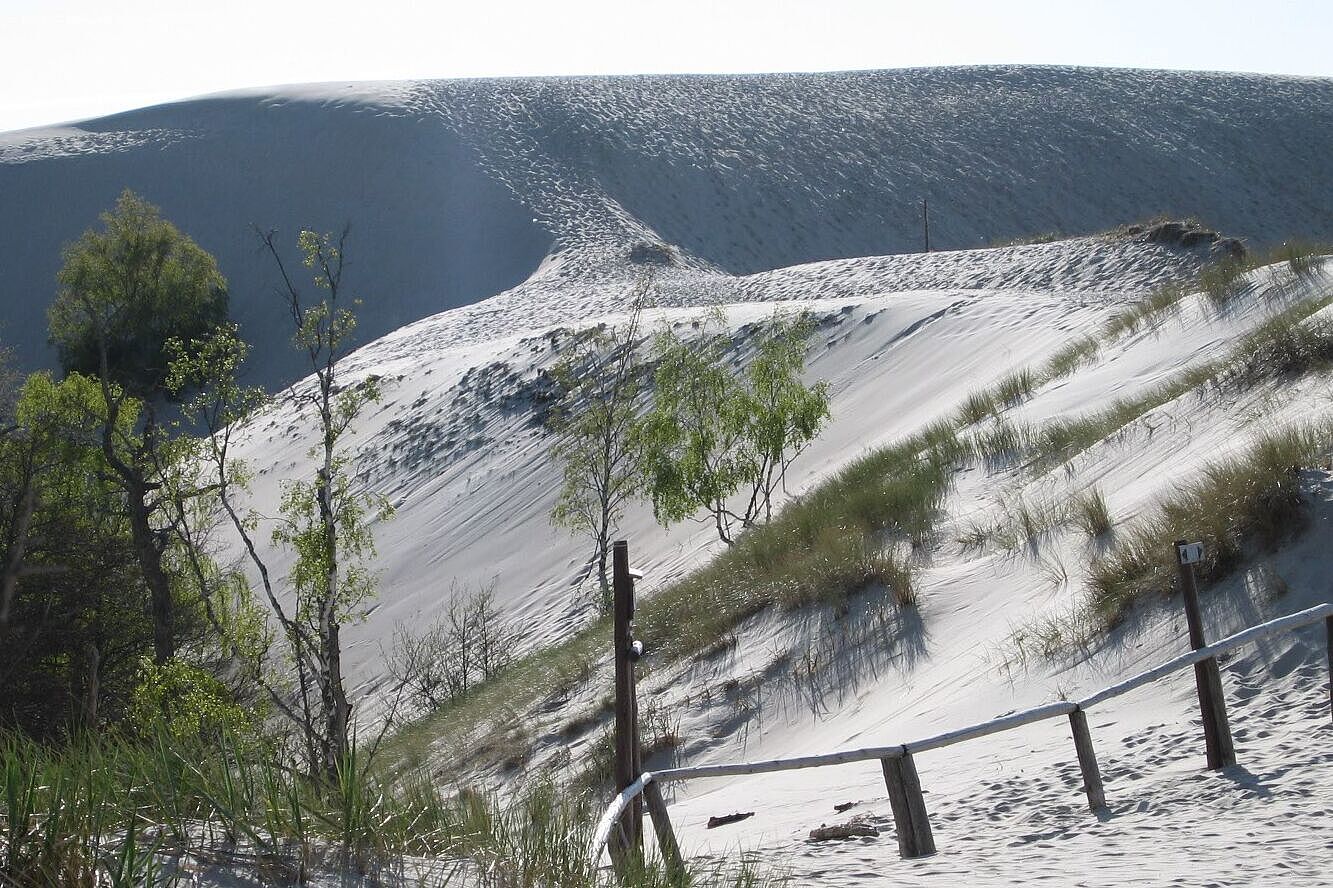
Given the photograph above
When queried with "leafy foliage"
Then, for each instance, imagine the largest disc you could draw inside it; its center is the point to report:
(712, 434)
(187, 702)
(72, 620)
(129, 288)
(599, 433)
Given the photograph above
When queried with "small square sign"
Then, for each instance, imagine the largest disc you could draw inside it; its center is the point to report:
(1190, 553)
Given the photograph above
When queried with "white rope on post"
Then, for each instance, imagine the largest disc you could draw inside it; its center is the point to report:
(613, 812)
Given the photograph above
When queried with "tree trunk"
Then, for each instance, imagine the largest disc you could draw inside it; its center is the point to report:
(336, 709)
(16, 552)
(149, 555)
(337, 712)
(603, 578)
(92, 688)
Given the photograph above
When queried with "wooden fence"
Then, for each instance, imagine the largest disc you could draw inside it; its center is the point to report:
(905, 796)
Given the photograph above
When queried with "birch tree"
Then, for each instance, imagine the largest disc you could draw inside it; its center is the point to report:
(325, 520)
(597, 423)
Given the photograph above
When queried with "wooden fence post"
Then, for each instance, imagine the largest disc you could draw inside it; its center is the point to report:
(1087, 760)
(909, 806)
(1207, 677)
(1328, 635)
(666, 836)
(627, 764)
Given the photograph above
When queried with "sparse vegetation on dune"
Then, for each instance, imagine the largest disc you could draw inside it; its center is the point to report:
(854, 532)
(1239, 507)
(1070, 357)
(1289, 343)
(857, 529)
(1250, 501)
(1130, 319)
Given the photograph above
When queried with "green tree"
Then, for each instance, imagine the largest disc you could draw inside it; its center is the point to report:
(714, 438)
(325, 520)
(596, 422)
(72, 621)
(125, 291)
(128, 288)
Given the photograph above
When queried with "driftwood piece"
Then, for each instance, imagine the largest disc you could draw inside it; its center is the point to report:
(852, 829)
(715, 822)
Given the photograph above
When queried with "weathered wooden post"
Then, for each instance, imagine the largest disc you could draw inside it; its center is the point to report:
(925, 220)
(1087, 760)
(666, 836)
(1207, 677)
(629, 834)
(1328, 635)
(909, 806)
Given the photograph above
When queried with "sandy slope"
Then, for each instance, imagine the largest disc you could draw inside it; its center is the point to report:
(456, 448)
(456, 190)
(897, 360)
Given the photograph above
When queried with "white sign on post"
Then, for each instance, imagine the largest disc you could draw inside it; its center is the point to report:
(1190, 553)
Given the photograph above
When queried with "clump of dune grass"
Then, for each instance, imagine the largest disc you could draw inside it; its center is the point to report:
(1223, 280)
(1250, 501)
(1002, 445)
(1070, 357)
(1015, 387)
(1290, 343)
(976, 407)
(1128, 320)
(1301, 258)
(1091, 514)
(1020, 523)
(1051, 635)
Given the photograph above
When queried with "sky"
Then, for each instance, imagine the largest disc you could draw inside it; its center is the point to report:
(64, 60)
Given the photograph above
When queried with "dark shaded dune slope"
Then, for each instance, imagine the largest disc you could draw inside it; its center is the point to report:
(429, 229)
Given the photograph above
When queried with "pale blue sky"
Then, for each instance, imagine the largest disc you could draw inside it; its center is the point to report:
(69, 59)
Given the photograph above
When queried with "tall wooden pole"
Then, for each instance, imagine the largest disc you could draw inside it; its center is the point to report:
(627, 764)
(1207, 677)
(925, 220)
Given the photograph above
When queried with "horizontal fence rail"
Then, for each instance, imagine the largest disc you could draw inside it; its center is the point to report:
(903, 752)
